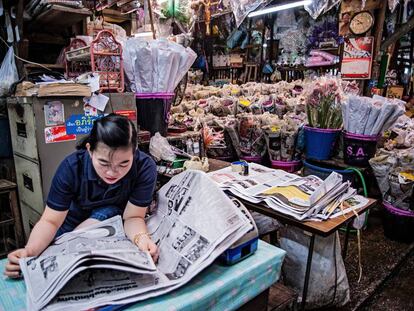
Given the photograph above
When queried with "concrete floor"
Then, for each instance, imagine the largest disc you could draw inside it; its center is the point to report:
(387, 281)
(381, 260)
(398, 293)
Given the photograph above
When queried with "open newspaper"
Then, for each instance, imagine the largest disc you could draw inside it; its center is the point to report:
(304, 198)
(99, 265)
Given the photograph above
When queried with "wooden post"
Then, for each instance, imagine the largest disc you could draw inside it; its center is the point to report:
(21, 47)
(379, 30)
(151, 19)
(406, 27)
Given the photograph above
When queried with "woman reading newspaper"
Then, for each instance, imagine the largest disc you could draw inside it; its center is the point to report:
(106, 176)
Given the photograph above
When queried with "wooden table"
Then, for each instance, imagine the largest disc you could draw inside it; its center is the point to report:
(321, 228)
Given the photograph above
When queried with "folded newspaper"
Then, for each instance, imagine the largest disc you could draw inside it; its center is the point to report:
(304, 198)
(99, 265)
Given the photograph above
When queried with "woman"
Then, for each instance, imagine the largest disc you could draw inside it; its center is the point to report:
(106, 176)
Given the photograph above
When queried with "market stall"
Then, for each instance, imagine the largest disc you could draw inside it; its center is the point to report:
(291, 116)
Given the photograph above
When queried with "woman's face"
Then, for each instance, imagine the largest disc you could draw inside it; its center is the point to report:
(111, 165)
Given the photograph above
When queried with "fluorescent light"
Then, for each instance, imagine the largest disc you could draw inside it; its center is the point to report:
(280, 8)
(143, 34)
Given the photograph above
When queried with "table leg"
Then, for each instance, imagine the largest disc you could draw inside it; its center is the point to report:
(348, 230)
(307, 273)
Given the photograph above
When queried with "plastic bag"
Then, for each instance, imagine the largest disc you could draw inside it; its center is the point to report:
(160, 149)
(392, 4)
(8, 72)
(328, 282)
(319, 7)
(242, 8)
(234, 38)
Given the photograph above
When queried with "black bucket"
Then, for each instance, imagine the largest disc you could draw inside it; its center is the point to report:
(358, 149)
(398, 224)
(153, 113)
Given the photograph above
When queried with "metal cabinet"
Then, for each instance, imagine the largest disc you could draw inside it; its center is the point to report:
(35, 160)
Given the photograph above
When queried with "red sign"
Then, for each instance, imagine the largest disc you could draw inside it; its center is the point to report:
(357, 58)
(57, 134)
(130, 114)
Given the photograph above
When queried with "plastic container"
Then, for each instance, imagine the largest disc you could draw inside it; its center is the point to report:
(153, 112)
(358, 149)
(319, 143)
(323, 172)
(288, 166)
(254, 159)
(398, 224)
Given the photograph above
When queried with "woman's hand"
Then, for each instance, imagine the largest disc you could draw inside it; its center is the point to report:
(146, 244)
(12, 267)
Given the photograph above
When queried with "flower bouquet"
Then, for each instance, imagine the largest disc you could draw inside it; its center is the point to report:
(323, 108)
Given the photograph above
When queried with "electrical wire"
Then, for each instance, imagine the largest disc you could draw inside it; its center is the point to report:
(358, 231)
(24, 60)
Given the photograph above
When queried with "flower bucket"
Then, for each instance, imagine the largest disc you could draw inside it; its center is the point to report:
(255, 159)
(398, 224)
(153, 112)
(319, 143)
(358, 148)
(288, 166)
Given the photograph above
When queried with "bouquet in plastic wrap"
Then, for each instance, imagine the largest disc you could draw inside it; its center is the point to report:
(401, 135)
(394, 171)
(370, 116)
(252, 141)
(281, 135)
(323, 103)
(217, 141)
(156, 66)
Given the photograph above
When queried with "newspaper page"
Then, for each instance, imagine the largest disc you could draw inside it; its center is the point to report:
(191, 227)
(44, 274)
(304, 198)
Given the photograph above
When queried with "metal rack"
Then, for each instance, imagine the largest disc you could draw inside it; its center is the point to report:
(103, 55)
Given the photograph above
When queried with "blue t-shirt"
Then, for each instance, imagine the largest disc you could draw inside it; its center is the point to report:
(77, 187)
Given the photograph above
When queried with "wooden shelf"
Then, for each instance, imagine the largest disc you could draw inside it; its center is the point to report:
(116, 16)
(250, 46)
(328, 49)
(302, 68)
(44, 38)
(61, 16)
(50, 66)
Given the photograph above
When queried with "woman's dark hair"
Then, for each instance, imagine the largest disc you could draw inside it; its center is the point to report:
(113, 130)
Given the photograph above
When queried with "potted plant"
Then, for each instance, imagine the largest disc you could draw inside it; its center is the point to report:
(323, 108)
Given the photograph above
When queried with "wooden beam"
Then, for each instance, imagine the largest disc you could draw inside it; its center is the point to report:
(379, 29)
(21, 47)
(402, 30)
(151, 19)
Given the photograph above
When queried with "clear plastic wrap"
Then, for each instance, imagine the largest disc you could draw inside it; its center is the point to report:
(242, 8)
(8, 72)
(392, 4)
(319, 7)
(156, 66)
(160, 149)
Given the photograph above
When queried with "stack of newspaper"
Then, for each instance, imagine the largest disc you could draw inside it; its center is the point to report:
(99, 266)
(304, 198)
